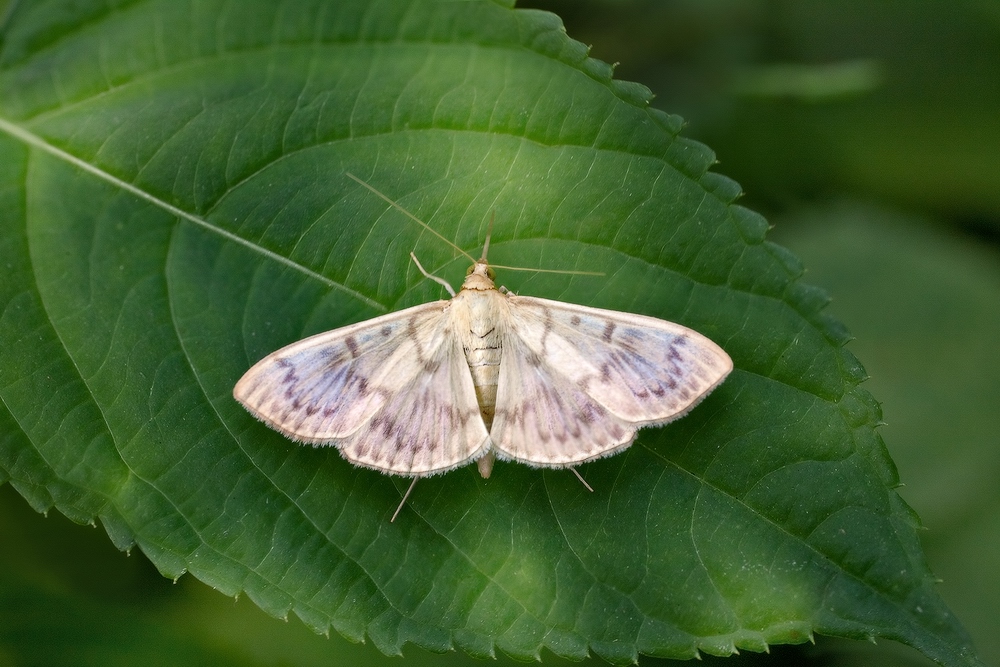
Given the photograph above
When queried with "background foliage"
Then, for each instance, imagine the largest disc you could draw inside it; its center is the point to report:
(799, 118)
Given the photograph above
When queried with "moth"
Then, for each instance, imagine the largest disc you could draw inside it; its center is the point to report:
(486, 374)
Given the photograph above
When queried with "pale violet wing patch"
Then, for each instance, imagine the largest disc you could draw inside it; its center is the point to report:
(576, 382)
(392, 393)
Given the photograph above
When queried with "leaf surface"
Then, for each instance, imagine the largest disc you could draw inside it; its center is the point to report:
(176, 207)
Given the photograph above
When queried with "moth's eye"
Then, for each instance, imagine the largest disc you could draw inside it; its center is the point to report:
(469, 271)
(491, 274)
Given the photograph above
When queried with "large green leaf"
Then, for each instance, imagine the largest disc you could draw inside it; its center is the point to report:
(175, 206)
(924, 299)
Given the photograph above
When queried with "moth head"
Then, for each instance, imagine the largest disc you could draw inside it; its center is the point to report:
(479, 277)
(489, 273)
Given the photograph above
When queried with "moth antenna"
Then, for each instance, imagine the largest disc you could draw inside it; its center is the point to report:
(486, 246)
(405, 496)
(489, 233)
(410, 215)
(568, 272)
(578, 476)
(439, 281)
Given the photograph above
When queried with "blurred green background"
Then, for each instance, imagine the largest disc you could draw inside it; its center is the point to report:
(869, 134)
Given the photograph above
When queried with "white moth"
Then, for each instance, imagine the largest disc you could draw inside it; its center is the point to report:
(486, 373)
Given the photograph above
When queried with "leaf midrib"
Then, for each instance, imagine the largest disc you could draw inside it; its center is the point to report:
(37, 142)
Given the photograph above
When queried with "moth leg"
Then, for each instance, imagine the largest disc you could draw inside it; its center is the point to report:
(440, 281)
(579, 477)
(405, 496)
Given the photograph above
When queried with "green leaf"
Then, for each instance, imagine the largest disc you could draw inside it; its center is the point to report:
(924, 300)
(176, 206)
